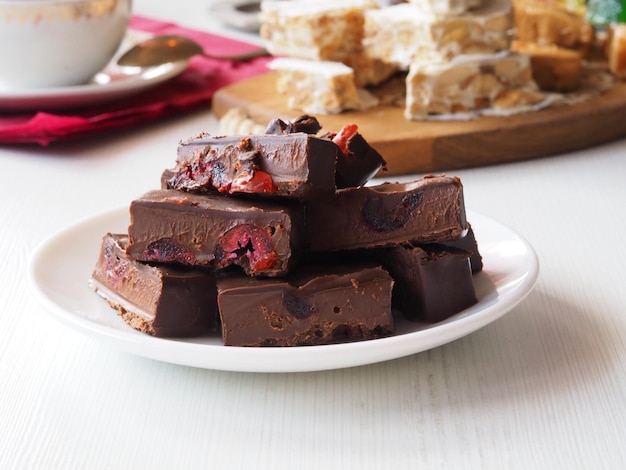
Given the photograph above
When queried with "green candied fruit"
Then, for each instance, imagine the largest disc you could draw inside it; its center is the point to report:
(605, 12)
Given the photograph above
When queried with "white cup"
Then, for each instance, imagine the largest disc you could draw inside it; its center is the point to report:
(53, 43)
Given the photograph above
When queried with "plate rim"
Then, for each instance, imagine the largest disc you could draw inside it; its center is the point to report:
(271, 359)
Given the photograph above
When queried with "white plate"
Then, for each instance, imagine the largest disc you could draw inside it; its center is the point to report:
(61, 266)
(110, 84)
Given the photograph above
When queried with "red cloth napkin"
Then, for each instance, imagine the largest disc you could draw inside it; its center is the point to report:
(189, 90)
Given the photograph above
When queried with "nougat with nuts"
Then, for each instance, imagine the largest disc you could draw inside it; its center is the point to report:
(548, 23)
(319, 87)
(467, 84)
(446, 7)
(554, 68)
(402, 34)
(320, 30)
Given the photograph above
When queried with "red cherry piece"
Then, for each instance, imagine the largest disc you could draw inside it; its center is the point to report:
(342, 137)
(246, 244)
(261, 182)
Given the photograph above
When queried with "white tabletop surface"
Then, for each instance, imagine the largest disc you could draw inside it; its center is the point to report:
(542, 387)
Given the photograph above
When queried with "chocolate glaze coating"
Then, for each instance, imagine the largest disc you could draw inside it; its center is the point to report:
(468, 242)
(359, 164)
(165, 301)
(295, 165)
(215, 231)
(312, 306)
(430, 284)
(428, 210)
(357, 161)
(305, 123)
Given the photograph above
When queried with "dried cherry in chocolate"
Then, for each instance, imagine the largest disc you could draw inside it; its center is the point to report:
(293, 165)
(380, 219)
(297, 306)
(248, 246)
(168, 250)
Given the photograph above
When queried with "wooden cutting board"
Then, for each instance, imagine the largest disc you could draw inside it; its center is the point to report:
(430, 146)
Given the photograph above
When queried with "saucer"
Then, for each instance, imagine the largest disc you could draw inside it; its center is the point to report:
(112, 83)
(108, 85)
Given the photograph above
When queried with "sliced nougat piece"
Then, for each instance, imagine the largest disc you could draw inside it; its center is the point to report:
(159, 300)
(447, 7)
(549, 23)
(616, 50)
(402, 34)
(320, 30)
(369, 71)
(471, 83)
(554, 68)
(319, 87)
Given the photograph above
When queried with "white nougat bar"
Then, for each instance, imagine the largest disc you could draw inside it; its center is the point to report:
(470, 83)
(616, 50)
(320, 30)
(318, 87)
(403, 33)
(549, 23)
(446, 7)
(369, 71)
(554, 68)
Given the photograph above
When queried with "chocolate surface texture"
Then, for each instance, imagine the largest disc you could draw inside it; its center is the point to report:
(468, 242)
(340, 303)
(430, 284)
(428, 210)
(358, 164)
(305, 123)
(163, 301)
(296, 165)
(357, 161)
(170, 226)
(326, 261)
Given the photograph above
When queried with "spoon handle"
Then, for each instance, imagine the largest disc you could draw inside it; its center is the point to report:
(243, 57)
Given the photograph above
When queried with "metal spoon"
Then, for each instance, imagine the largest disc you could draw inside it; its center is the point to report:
(171, 48)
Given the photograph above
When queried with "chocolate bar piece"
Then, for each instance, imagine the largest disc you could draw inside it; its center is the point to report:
(310, 307)
(305, 123)
(428, 210)
(468, 242)
(296, 165)
(160, 300)
(430, 284)
(357, 161)
(215, 231)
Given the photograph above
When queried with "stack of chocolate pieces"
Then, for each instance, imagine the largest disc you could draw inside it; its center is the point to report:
(274, 240)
